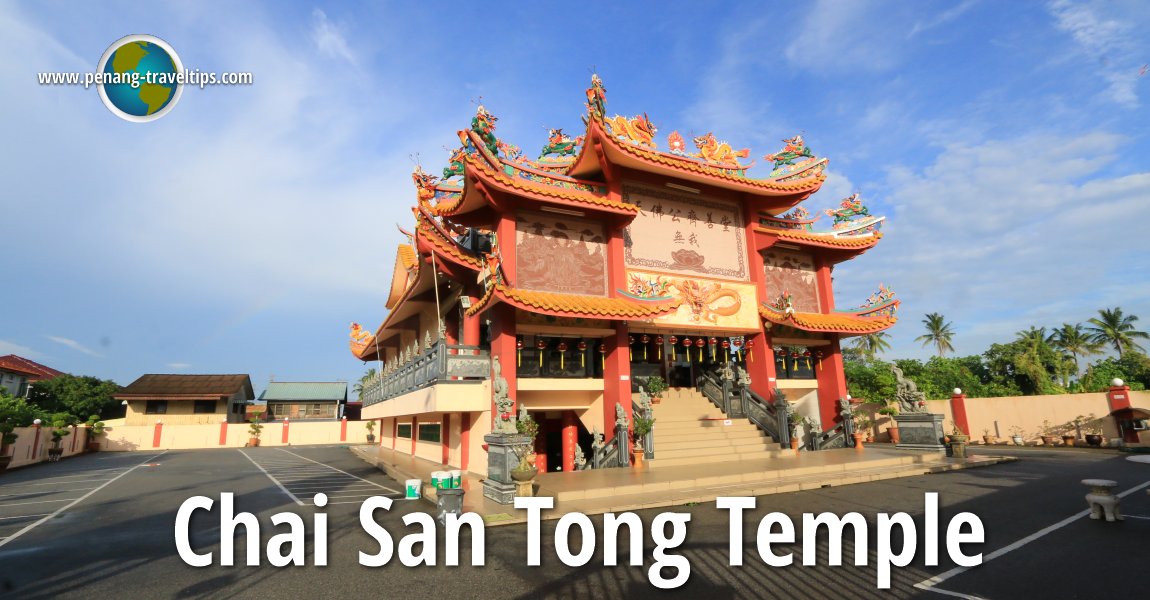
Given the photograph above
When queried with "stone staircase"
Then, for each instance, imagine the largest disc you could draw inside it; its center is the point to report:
(689, 430)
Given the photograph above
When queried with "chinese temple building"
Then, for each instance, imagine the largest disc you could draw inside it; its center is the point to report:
(571, 278)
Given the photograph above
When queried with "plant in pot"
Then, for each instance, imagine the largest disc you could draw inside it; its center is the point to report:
(797, 422)
(1049, 434)
(642, 427)
(370, 427)
(60, 430)
(988, 439)
(95, 430)
(656, 386)
(958, 441)
(1092, 429)
(255, 428)
(526, 469)
(1016, 436)
(862, 430)
(7, 438)
(890, 412)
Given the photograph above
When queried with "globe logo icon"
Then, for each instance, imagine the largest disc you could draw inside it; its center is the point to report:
(140, 78)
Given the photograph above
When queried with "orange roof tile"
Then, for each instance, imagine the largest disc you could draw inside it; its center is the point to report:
(407, 256)
(670, 160)
(426, 230)
(593, 307)
(524, 185)
(819, 322)
(822, 239)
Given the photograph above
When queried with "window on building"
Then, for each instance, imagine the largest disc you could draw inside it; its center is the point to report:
(204, 407)
(429, 432)
(404, 430)
(156, 407)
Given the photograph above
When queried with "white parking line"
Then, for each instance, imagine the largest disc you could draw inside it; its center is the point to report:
(344, 472)
(272, 477)
(929, 584)
(36, 502)
(45, 492)
(22, 517)
(50, 515)
(61, 482)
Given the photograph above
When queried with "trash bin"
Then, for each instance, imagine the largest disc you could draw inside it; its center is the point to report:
(413, 489)
(450, 501)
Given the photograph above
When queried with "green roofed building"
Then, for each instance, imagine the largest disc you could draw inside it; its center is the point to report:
(305, 400)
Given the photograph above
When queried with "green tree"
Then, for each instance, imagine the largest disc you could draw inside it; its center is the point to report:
(18, 412)
(870, 380)
(1133, 368)
(76, 395)
(1023, 366)
(938, 332)
(1075, 341)
(1113, 328)
(871, 345)
(363, 381)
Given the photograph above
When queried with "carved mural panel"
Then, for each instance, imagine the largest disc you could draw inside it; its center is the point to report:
(685, 234)
(560, 254)
(792, 271)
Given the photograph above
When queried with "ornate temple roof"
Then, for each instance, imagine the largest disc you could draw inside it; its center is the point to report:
(837, 322)
(860, 242)
(573, 305)
(430, 232)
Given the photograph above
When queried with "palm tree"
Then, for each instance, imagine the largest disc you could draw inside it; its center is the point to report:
(1117, 329)
(1073, 340)
(367, 376)
(938, 332)
(871, 344)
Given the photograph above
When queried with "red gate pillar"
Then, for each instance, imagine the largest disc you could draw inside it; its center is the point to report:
(414, 433)
(284, 435)
(157, 433)
(616, 380)
(832, 382)
(343, 429)
(570, 438)
(223, 433)
(958, 411)
(35, 440)
(1118, 397)
(445, 438)
(464, 440)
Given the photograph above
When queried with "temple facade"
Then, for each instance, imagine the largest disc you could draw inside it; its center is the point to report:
(571, 279)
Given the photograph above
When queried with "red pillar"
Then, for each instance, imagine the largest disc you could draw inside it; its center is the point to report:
(394, 432)
(541, 447)
(503, 347)
(958, 410)
(445, 438)
(343, 429)
(464, 439)
(223, 433)
(156, 434)
(570, 438)
(1118, 397)
(75, 435)
(616, 378)
(414, 433)
(832, 382)
(760, 364)
(471, 325)
(35, 441)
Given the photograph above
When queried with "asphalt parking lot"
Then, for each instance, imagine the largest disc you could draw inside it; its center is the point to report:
(103, 525)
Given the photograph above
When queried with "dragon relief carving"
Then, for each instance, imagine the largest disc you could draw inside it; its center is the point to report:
(638, 129)
(560, 144)
(793, 149)
(701, 299)
(424, 184)
(715, 151)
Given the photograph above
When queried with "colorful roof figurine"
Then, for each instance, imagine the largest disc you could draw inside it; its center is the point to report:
(854, 227)
(877, 314)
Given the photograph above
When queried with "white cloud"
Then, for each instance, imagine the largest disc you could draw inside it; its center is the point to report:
(73, 344)
(179, 366)
(1107, 40)
(1008, 234)
(832, 37)
(328, 38)
(946, 17)
(7, 347)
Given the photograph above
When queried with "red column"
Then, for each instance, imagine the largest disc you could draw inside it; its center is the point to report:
(445, 438)
(394, 432)
(75, 435)
(1118, 397)
(616, 378)
(414, 433)
(832, 382)
(464, 439)
(156, 434)
(284, 434)
(35, 441)
(760, 364)
(223, 433)
(541, 447)
(471, 325)
(958, 410)
(343, 429)
(570, 438)
(503, 347)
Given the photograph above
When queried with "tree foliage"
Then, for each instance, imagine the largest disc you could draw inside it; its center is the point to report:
(76, 395)
(18, 412)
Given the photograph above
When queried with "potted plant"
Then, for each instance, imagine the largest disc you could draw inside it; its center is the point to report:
(958, 441)
(987, 438)
(862, 428)
(642, 427)
(891, 411)
(797, 422)
(7, 438)
(370, 426)
(1092, 428)
(1016, 436)
(95, 430)
(1049, 437)
(656, 386)
(529, 427)
(255, 428)
(60, 430)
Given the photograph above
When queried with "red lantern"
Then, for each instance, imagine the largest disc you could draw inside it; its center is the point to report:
(645, 340)
(659, 344)
(819, 358)
(713, 342)
(602, 356)
(674, 341)
(631, 347)
(726, 349)
(749, 345)
(699, 344)
(518, 352)
(540, 345)
(582, 346)
(687, 347)
(562, 355)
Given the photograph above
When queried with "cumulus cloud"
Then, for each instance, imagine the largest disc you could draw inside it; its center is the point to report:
(73, 344)
(1107, 40)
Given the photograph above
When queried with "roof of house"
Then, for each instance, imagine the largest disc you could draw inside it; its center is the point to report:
(325, 391)
(187, 387)
(34, 370)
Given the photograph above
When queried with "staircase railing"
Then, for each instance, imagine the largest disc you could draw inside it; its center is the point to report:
(639, 410)
(839, 436)
(772, 417)
(614, 453)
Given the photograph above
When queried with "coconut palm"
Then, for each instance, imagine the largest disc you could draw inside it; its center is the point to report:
(1113, 328)
(938, 332)
(367, 376)
(1073, 340)
(871, 344)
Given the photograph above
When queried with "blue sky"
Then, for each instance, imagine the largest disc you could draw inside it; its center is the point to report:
(1008, 143)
